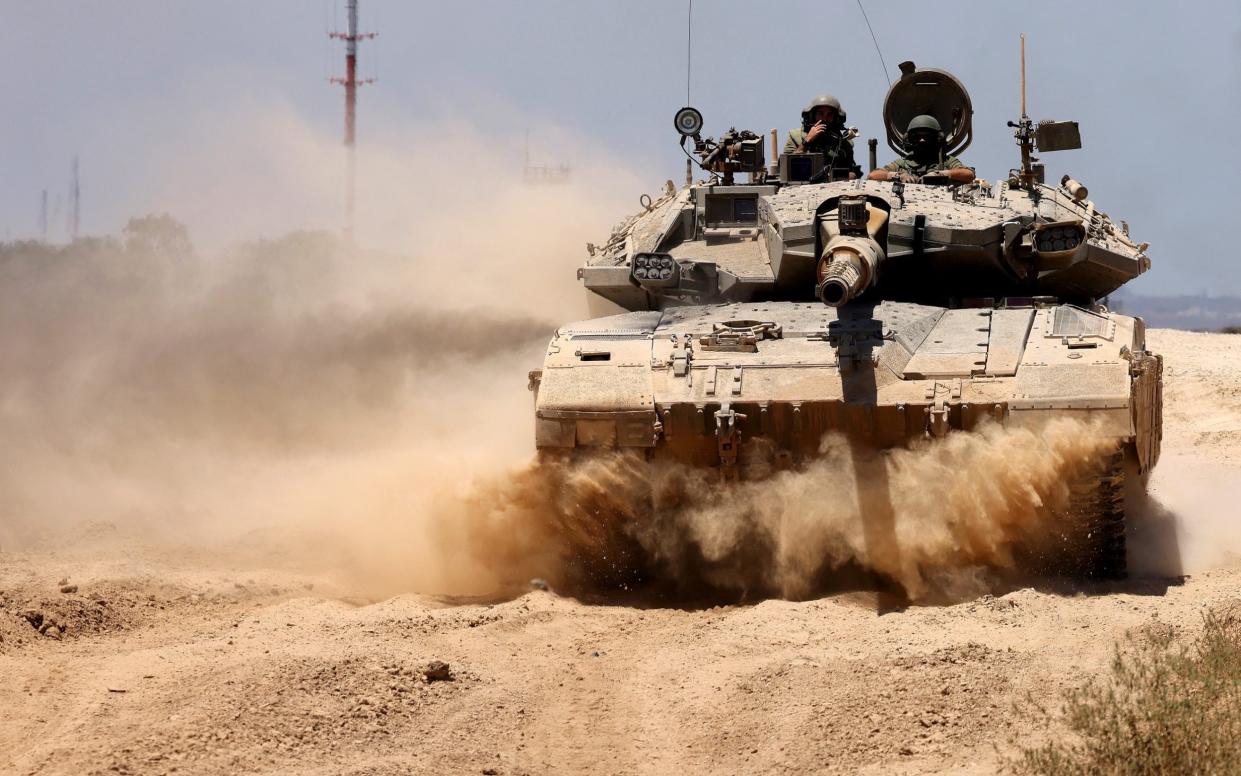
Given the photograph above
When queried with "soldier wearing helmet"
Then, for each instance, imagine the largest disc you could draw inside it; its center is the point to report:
(925, 161)
(822, 131)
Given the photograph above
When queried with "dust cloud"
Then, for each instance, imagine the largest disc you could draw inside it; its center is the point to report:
(201, 398)
(292, 399)
(1187, 524)
(939, 519)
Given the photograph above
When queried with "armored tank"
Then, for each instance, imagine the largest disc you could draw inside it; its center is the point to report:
(795, 304)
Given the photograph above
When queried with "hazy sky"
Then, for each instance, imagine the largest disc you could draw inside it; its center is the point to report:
(130, 85)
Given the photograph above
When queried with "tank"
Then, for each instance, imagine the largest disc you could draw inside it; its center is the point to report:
(795, 303)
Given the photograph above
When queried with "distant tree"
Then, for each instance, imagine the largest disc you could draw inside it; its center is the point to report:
(27, 249)
(298, 246)
(158, 235)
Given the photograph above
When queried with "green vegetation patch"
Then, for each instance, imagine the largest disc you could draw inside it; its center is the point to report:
(1167, 707)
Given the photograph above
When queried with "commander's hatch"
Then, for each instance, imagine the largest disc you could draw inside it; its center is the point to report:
(935, 93)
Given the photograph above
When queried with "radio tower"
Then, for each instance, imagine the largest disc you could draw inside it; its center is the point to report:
(351, 84)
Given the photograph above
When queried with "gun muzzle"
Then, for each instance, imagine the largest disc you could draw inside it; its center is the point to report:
(848, 267)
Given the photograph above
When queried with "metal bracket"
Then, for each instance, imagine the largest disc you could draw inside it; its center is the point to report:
(942, 396)
(728, 439)
(740, 336)
(918, 244)
(846, 351)
(937, 423)
(682, 355)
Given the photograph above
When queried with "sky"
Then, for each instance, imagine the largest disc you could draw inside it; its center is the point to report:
(171, 104)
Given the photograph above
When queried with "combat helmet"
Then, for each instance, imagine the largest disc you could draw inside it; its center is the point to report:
(924, 122)
(829, 100)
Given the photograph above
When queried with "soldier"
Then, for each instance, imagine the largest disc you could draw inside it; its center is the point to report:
(822, 131)
(925, 161)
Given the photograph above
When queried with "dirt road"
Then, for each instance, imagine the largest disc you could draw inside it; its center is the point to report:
(123, 655)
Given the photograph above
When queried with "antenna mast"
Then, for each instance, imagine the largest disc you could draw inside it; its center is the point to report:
(689, 59)
(1025, 131)
(43, 217)
(351, 84)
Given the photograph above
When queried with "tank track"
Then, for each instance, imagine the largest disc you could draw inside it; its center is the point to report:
(1094, 541)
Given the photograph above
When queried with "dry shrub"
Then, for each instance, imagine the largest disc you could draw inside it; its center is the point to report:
(1167, 707)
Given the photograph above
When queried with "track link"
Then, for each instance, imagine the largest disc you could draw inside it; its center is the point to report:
(1094, 541)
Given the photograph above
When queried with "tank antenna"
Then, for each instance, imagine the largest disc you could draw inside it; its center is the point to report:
(689, 44)
(876, 41)
(1023, 75)
(689, 48)
(1024, 130)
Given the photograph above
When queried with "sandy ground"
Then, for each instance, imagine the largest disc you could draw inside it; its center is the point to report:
(120, 655)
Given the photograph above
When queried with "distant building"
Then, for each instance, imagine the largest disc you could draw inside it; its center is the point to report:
(544, 173)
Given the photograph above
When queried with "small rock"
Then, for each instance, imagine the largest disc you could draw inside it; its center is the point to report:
(539, 584)
(906, 751)
(68, 589)
(437, 671)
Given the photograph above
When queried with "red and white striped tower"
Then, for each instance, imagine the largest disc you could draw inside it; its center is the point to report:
(351, 84)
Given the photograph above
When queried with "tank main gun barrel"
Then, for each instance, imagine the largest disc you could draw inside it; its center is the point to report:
(849, 262)
(848, 267)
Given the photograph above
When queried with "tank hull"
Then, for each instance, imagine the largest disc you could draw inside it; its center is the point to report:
(700, 383)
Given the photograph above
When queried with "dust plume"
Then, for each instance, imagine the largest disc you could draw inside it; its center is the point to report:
(291, 398)
(937, 519)
(194, 396)
(1187, 524)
